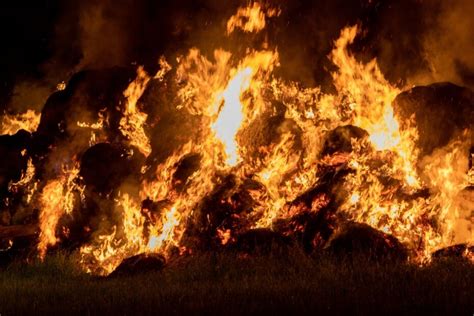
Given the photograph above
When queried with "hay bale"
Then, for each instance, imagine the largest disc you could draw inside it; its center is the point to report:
(140, 264)
(104, 166)
(463, 252)
(440, 110)
(356, 239)
(260, 241)
(339, 140)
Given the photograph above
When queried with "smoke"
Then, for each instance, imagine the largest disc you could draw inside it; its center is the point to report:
(449, 46)
(415, 42)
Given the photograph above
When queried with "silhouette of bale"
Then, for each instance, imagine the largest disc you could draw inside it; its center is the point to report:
(87, 93)
(139, 264)
(440, 111)
(228, 206)
(462, 252)
(169, 127)
(12, 161)
(339, 139)
(186, 167)
(17, 243)
(357, 239)
(267, 129)
(260, 241)
(312, 222)
(104, 166)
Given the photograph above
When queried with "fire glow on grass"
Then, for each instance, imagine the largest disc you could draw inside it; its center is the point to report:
(229, 94)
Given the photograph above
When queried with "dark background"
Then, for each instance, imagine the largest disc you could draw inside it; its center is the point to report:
(45, 42)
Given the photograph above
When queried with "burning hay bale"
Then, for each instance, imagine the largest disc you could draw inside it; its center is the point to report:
(169, 128)
(76, 109)
(440, 111)
(16, 242)
(139, 264)
(13, 158)
(311, 219)
(355, 239)
(455, 252)
(186, 167)
(340, 139)
(260, 241)
(105, 166)
(228, 208)
(267, 129)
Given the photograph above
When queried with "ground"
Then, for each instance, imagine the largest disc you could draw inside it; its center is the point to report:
(229, 284)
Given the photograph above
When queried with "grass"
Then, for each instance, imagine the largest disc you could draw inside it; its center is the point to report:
(227, 284)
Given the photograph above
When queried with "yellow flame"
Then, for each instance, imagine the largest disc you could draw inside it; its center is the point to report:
(251, 18)
(133, 121)
(230, 116)
(57, 199)
(11, 124)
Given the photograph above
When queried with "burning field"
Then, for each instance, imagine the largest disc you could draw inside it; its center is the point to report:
(216, 151)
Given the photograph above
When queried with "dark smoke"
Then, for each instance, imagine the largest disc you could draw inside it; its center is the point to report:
(415, 41)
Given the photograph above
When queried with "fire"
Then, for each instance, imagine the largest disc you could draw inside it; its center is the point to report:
(56, 200)
(385, 182)
(230, 116)
(133, 122)
(11, 124)
(52, 210)
(251, 18)
(95, 128)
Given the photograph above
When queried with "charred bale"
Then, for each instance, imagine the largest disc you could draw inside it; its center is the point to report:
(13, 161)
(227, 207)
(312, 222)
(87, 93)
(140, 264)
(339, 140)
(267, 129)
(186, 167)
(17, 242)
(170, 128)
(260, 241)
(105, 166)
(462, 252)
(440, 111)
(361, 240)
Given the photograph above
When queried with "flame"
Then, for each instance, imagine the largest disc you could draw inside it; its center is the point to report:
(420, 200)
(11, 124)
(251, 18)
(57, 199)
(26, 182)
(230, 116)
(96, 128)
(133, 122)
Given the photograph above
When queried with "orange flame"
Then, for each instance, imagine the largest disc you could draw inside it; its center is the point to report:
(11, 124)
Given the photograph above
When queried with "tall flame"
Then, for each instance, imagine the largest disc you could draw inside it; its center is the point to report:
(231, 116)
(57, 199)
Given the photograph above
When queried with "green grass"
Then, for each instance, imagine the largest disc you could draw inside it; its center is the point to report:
(226, 284)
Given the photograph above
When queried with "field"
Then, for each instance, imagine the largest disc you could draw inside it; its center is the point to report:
(231, 285)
